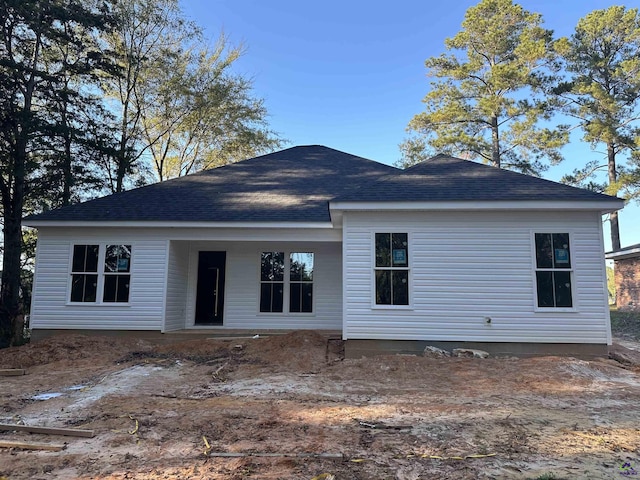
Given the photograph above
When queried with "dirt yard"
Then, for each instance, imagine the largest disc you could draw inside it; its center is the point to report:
(303, 412)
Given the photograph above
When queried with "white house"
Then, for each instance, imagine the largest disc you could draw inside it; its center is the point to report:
(448, 252)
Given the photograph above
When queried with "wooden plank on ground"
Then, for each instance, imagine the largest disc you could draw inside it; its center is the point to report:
(275, 455)
(11, 372)
(70, 432)
(32, 446)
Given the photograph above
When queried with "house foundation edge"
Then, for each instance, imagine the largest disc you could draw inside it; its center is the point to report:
(368, 348)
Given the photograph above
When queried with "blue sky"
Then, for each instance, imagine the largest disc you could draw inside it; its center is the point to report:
(350, 74)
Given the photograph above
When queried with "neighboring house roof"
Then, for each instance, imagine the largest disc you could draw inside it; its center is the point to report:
(444, 178)
(631, 251)
(292, 185)
(297, 184)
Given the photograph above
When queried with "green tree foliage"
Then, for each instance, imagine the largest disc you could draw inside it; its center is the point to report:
(176, 100)
(79, 122)
(86, 92)
(146, 30)
(34, 32)
(602, 60)
(485, 102)
(196, 114)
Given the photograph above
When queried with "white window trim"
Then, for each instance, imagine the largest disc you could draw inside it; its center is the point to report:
(534, 269)
(286, 285)
(408, 268)
(102, 250)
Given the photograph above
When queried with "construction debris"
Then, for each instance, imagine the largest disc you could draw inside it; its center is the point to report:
(466, 457)
(135, 430)
(32, 446)
(207, 447)
(70, 432)
(337, 456)
(435, 352)
(12, 372)
(217, 377)
(382, 426)
(469, 353)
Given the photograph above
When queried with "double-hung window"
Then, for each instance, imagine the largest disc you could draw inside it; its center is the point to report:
(117, 267)
(84, 273)
(286, 280)
(271, 281)
(100, 274)
(392, 269)
(301, 282)
(553, 270)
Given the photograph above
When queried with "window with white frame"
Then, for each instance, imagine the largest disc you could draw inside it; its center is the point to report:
(84, 273)
(553, 270)
(117, 268)
(114, 276)
(293, 288)
(271, 282)
(392, 268)
(301, 282)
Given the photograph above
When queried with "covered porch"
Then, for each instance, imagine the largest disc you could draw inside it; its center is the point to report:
(264, 285)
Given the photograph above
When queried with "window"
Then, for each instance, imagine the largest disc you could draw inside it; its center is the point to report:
(301, 282)
(84, 273)
(553, 270)
(117, 265)
(294, 289)
(272, 281)
(112, 278)
(392, 269)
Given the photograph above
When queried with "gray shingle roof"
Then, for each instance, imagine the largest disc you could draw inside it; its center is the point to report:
(631, 250)
(296, 185)
(444, 178)
(292, 185)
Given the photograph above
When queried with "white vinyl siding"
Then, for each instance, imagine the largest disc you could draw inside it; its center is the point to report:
(164, 278)
(50, 305)
(466, 266)
(177, 279)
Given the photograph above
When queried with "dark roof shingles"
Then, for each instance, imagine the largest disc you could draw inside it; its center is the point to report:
(292, 185)
(296, 185)
(444, 178)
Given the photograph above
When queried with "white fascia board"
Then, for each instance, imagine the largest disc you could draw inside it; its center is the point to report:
(159, 224)
(630, 253)
(604, 206)
(336, 218)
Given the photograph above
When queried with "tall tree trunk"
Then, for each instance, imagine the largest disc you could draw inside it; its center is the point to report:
(13, 205)
(67, 163)
(613, 178)
(120, 168)
(121, 159)
(495, 147)
(11, 309)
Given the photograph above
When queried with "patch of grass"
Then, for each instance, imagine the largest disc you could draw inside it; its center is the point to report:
(625, 324)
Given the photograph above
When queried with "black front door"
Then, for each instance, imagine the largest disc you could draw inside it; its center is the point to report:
(210, 293)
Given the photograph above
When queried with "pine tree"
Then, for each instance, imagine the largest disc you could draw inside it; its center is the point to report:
(30, 75)
(602, 60)
(486, 101)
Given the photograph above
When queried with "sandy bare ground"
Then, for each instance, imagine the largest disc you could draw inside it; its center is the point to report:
(386, 417)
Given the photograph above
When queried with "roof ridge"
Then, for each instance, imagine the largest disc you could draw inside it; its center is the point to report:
(426, 160)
